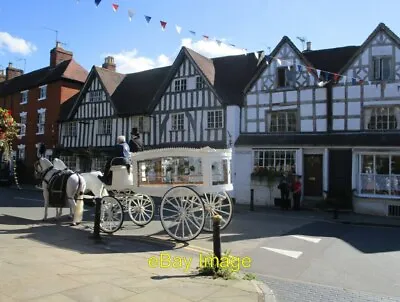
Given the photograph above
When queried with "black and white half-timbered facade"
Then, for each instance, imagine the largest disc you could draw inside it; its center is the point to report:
(342, 137)
(110, 104)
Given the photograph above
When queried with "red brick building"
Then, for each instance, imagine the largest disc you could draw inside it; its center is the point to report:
(35, 99)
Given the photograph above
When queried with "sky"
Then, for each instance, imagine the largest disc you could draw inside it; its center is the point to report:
(93, 32)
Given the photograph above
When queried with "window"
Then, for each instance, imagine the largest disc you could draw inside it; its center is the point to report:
(383, 118)
(214, 119)
(280, 160)
(177, 121)
(381, 68)
(70, 129)
(283, 121)
(180, 85)
(141, 124)
(69, 161)
(199, 83)
(99, 163)
(95, 96)
(104, 127)
(379, 174)
(23, 122)
(21, 152)
(43, 92)
(286, 76)
(24, 97)
(41, 121)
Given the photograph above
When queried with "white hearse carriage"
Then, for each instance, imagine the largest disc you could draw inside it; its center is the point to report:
(193, 185)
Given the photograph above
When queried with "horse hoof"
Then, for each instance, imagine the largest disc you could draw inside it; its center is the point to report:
(75, 223)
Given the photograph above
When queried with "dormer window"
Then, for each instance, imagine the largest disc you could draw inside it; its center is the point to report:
(381, 68)
(24, 97)
(286, 77)
(180, 85)
(43, 92)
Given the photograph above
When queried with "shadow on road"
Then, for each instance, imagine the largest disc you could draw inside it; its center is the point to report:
(74, 238)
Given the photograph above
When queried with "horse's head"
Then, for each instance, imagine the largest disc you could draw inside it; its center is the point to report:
(59, 164)
(42, 165)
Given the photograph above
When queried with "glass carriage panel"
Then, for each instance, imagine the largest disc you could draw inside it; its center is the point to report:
(170, 170)
(220, 172)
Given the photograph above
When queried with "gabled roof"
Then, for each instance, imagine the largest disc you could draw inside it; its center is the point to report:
(66, 70)
(379, 28)
(268, 58)
(110, 79)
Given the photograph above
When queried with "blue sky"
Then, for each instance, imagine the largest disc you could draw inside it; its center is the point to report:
(93, 32)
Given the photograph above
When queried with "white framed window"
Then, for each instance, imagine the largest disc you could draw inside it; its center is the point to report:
(177, 121)
(105, 127)
(42, 92)
(382, 68)
(96, 96)
(383, 118)
(70, 129)
(283, 121)
(22, 120)
(279, 160)
(69, 161)
(24, 97)
(180, 85)
(21, 152)
(379, 174)
(199, 82)
(215, 119)
(41, 121)
(285, 76)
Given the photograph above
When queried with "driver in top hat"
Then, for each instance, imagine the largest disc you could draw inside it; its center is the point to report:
(135, 143)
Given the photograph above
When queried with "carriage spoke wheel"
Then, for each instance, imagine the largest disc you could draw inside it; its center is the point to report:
(112, 215)
(217, 204)
(182, 213)
(141, 209)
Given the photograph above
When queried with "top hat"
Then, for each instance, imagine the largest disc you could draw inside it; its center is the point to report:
(134, 131)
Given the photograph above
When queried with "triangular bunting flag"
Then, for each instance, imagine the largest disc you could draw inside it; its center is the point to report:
(309, 69)
(256, 55)
(335, 77)
(361, 82)
(279, 61)
(192, 32)
(115, 7)
(206, 37)
(299, 68)
(353, 81)
(178, 29)
(131, 13)
(327, 76)
(163, 24)
(344, 79)
(97, 2)
(218, 42)
(147, 19)
(318, 73)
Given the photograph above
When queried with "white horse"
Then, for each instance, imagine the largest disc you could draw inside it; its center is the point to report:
(75, 188)
(93, 184)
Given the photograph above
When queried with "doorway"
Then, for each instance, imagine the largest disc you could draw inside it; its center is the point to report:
(312, 181)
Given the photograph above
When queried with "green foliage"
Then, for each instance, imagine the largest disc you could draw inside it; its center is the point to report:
(207, 268)
(249, 276)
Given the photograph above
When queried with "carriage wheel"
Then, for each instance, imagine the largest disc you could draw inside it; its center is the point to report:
(112, 215)
(182, 213)
(217, 204)
(141, 209)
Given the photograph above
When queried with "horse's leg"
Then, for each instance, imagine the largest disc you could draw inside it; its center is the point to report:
(46, 200)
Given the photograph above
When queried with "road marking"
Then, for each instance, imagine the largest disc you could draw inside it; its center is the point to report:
(307, 238)
(293, 254)
(32, 199)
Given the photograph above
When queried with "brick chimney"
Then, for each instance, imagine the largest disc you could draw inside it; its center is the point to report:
(58, 55)
(2, 76)
(12, 72)
(309, 46)
(109, 63)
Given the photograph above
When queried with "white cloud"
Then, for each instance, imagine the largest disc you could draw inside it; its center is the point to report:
(130, 61)
(15, 45)
(211, 49)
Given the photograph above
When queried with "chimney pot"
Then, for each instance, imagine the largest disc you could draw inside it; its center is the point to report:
(109, 63)
(309, 45)
(10, 65)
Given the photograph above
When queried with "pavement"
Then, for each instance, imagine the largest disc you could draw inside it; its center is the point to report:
(55, 262)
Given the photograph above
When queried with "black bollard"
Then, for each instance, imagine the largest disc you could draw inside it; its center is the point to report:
(96, 230)
(217, 240)
(251, 199)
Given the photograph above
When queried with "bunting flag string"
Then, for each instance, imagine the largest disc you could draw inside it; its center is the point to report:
(318, 72)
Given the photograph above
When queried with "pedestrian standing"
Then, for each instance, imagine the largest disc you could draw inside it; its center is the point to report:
(296, 193)
(284, 188)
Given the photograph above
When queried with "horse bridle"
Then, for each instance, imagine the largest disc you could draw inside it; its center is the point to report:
(43, 173)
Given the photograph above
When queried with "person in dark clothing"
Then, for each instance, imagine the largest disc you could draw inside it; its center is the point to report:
(121, 156)
(284, 188)
(296, 193)
(135, 144)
